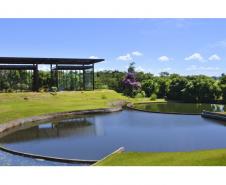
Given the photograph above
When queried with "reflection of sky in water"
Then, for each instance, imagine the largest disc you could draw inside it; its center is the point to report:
(94, 136)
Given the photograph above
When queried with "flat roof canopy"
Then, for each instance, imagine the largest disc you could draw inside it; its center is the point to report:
(17, 67)
(33, 60)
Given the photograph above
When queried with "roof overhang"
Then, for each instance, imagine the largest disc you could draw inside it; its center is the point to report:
(32, 60)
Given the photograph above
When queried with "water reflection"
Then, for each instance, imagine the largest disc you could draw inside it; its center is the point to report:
(63, 128)
(173, 107)
(95, 136)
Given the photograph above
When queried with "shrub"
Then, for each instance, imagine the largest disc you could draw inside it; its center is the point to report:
(103, 96)
(143, 93)
(26, 98)
(53, 89)
(24, 86)
(9, 90)
(140, 94)
(41, 90)
(153, 97)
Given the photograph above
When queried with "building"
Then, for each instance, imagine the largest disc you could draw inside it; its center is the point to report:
(81, 70)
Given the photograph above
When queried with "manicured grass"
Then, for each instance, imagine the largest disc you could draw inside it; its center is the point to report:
(20, 105)
(195, 158)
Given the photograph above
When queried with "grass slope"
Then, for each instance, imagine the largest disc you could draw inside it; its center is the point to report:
(195, 158)
(13, 105)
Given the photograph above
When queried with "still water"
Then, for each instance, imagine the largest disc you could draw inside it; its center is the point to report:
(187, 108)
(95, 136)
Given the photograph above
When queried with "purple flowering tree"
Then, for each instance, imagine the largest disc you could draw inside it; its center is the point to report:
(130, 86)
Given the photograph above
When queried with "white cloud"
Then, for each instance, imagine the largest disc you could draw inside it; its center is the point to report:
(139, 69)
(164, 58)
(195, 56)
(126, 57)
(214, 57)
(202, 68)
(93, 57)
(136, 53)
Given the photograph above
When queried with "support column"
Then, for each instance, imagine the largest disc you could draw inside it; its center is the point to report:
(56, 71)
(35, 78)
(93, 78)
(83, 75)
(51, 76)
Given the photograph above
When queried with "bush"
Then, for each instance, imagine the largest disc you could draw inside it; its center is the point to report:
(103, 96)
(140, 94)
(53, 89)
(153, 97)
(24, 86)
(143, 93)
(41, 90)
(9, 90)
(26, 98)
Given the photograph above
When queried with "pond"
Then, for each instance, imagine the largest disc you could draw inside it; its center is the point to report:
(183, 108)
(95, 136)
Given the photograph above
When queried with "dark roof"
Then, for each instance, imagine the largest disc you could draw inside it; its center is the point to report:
(32, 60)
(17, 67)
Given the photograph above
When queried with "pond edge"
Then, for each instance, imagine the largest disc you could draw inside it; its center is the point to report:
(19, 122)
(214, 115)
(131, 106)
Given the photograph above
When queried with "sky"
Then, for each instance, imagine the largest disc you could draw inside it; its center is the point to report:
(183, 46)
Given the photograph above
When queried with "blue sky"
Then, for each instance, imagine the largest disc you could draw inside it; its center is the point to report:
(184, 46)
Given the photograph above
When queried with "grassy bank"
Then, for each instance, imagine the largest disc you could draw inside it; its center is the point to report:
(195, 158)
(20, 105)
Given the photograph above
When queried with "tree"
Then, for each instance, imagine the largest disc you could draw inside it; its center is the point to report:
(223, 87)
(164, 74)
(130, 85)
(131, 68)
(150, 87)
(176, 88)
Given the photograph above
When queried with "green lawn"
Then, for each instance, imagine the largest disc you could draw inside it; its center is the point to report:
(13, 105)
(195, 158)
